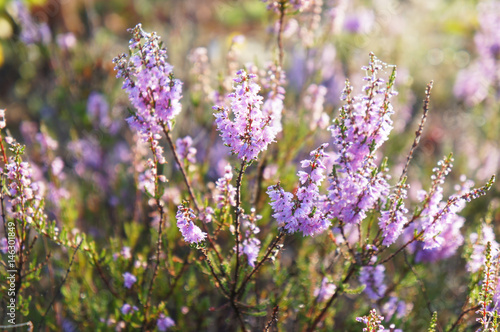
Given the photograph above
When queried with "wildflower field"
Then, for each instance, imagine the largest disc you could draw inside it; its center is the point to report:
(247, 165)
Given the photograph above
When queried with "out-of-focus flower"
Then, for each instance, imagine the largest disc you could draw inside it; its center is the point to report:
(128, 309)
(66, 41)
(128, 279)
(31, 31)
(359, 22)
(325, 291)
(372, 277)
(185, 149)
(227, 193)
(164, 322)
(313, 102)
(98, 108)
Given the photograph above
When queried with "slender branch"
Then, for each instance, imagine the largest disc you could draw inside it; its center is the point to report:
(322, 314)
(157, 263)
(4, 155)
(103, 277)
(257, 267)
(280, 35)
(418, 133)
(273, 319)
(177, 277)
(462, 314)
(181, 167)
(422, 285)
(166, 131)
(239, 212)
(42, 321)
(212, 270)
(238, 315)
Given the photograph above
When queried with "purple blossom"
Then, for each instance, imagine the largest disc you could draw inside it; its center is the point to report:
(360, 22)
(394, 307)
(314, 102)
(452, 240)
(149, 82)
(128, 279)
(66, 41)
(251, 249)
(251, 245)
(31, 31)
(437, 214)
(164, 322)
(185, 149)
(477, 258)
(250, 131)
(207, 215)
(227, 193)
(473, 83)
(201, 71)
(185, 222)
(128, 309)
(363, 125)
(273, 106)
(392, 221)
(373, 322)
(98, 108)
(303, 212)
(372, 276)
(24, 195)
(325, 291)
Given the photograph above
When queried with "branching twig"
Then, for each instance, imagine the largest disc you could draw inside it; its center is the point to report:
(418, 133)
(322, 314)
(56, 294)
(157, 263)
(273, 319)
(257, 267)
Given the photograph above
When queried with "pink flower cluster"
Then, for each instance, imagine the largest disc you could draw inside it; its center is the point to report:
(250, 131)
(304, 212)
(25, 198)
(185, 222)
(149, 82)
(363, 125)
(227, 193)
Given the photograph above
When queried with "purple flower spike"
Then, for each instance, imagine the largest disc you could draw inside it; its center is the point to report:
(148, 80)
(164, 323)
(304, 212)
(128, 279)
(191, 233)
(363, 125)
(249, 132)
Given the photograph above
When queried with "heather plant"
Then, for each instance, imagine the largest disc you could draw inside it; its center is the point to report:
(260, 183)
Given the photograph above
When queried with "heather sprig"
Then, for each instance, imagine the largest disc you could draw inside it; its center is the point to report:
(149, 81)
(185, 222)
(248, 131)
(360, 129)
(303, 211)
(372, 276)
(373, 322)
(488, 288)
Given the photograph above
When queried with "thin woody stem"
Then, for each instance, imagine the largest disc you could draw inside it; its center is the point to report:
(239, 212)
(418, 133)
(166, 131)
